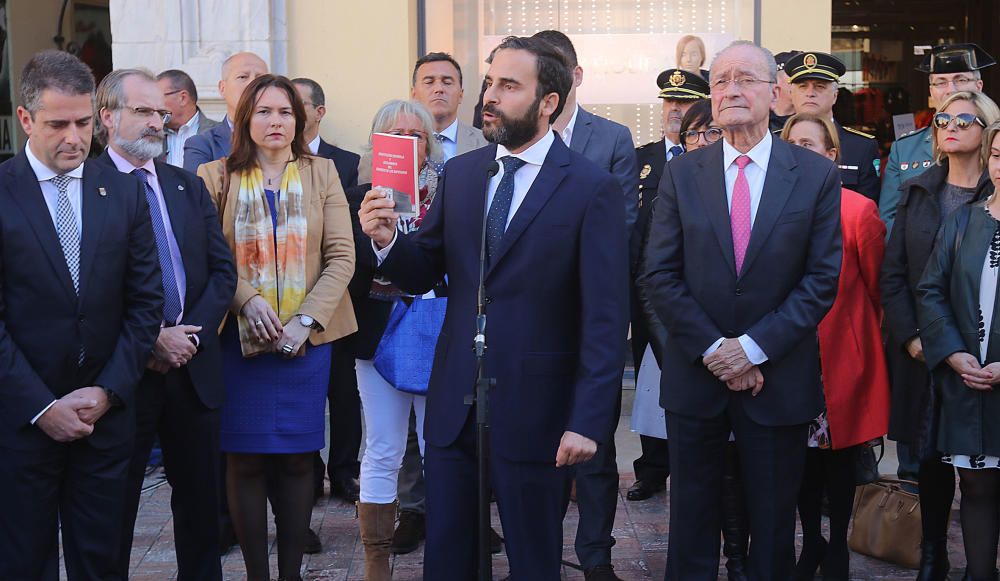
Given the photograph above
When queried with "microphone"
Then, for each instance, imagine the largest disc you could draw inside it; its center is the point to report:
(479, 342)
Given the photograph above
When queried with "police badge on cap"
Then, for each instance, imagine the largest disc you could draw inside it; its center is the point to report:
(955, 58)
(681, 84)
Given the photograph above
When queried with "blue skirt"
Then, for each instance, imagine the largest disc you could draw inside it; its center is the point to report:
(273, 405)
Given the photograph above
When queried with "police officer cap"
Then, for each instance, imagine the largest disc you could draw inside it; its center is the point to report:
(782, 58)
(955, 58)
(681, 84)
(814, 65)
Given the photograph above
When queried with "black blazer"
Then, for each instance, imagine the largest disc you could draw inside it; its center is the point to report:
(788, 281)
(42, 321)
(208, 268)
(346, 162)
(911, 241)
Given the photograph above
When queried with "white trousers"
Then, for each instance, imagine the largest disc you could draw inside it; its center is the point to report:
(387, 420)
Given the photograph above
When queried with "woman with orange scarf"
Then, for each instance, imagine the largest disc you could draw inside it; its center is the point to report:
(285, 217)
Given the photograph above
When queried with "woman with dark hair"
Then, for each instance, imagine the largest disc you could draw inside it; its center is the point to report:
(697, 127)
(955, 180)
(855, 378)
(285, 217)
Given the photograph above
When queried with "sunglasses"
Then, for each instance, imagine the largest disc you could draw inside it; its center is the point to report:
(962, 120)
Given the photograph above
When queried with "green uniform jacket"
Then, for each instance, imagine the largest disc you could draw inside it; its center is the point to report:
(909, 156)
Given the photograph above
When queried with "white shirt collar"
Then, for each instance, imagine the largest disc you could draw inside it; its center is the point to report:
(451, 131)
(191, 123)
(314, 145)
(125, 166)
(535, 154)
(759, 154)
(42, 171)
(567, 133)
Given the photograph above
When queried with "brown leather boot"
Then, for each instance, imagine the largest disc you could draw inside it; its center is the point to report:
(377, 523)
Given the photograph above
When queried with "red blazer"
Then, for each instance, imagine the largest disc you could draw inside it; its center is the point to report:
(855, 377)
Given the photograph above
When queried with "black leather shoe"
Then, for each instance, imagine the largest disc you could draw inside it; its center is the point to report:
(410, 531)
(346, 488)
(601, 573)
(934, 565)
(643, 489)
(496, 542)
(313, 544)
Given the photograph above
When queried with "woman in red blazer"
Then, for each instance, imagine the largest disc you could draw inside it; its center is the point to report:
(855, 377)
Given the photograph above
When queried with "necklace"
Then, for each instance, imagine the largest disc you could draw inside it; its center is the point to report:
(270, 180)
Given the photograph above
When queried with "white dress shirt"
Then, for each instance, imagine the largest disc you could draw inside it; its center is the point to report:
(51, 194)
(449, 146)
(567, 133)
(314, 145)
(667, 144)
(533, 157)
(176, 140)
(755, 171)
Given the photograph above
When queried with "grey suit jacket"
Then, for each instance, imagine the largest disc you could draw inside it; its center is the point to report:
(609, 145)
(205, 123)
(468, 138)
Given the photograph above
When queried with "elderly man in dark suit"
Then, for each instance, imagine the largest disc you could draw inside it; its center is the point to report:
(742, 263)
(180, 97)
(555, 345)
(609, 145)
(237, 72)
(180, 394)
(80, 307)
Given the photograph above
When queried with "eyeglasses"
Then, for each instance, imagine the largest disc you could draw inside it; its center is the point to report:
(742, 83)
(957, 82)
(148, 112)
(712, 134)
(962, 120)
(420, 135)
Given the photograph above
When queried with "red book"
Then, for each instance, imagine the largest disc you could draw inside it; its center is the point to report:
(394, 167)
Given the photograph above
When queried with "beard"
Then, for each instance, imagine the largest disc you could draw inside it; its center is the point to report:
(511, 132)
(148, 145)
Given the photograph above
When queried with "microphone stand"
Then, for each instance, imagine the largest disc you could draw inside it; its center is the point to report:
(480, 400)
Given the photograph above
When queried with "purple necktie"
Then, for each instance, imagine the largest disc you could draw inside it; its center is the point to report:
(739, 214)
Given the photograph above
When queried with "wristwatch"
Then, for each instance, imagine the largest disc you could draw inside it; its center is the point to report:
(307, 321)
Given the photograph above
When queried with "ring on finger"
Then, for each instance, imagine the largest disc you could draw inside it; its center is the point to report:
(287, 348)
(258, 322)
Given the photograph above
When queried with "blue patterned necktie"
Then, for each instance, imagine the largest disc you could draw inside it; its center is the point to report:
(69, 237)
(676, 150)
(496, 220)
(438, 165)
(171, 296)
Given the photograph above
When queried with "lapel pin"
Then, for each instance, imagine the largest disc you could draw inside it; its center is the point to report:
(102, 192)
(180, 187)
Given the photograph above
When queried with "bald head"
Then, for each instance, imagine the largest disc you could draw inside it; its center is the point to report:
(237, 72)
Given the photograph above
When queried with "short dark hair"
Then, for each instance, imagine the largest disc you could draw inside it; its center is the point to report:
(315, 91)
(561, 43)
(244, 151)
(550, 65)
(56, 70)
(180, 81)
(434, 57)
(698, 115)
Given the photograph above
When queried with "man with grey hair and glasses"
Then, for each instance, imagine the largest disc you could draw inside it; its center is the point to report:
(180, 97)
(742, 263)
(80, 307)
(180, 393)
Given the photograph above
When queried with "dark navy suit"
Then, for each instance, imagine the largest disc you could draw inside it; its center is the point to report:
(787, 284)
(182, 405)
(79, 485)
(557, 305)
(211, 145)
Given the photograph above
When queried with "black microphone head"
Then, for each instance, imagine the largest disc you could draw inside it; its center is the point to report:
(493, 170)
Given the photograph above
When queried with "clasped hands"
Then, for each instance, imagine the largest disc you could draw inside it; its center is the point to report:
(973, 375)
(173, 348)
(266, 327)
(73, 415)
(729, 364)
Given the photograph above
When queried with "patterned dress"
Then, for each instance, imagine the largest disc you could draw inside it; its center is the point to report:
(987, 300)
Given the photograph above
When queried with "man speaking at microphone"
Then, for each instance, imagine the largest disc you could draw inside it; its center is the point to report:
(556, 272)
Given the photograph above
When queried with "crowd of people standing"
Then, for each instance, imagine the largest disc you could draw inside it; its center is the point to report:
(208, 287)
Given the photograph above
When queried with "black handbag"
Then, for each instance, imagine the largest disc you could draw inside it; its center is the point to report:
(866, 462)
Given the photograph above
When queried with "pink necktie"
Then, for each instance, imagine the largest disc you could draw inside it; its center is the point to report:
(739, 214)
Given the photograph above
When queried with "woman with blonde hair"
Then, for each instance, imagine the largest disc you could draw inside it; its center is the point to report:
(955, 180)
(855, 377)
(691, 54)
(285, 217)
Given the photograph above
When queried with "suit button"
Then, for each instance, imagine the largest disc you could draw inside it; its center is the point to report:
(489, 300)
(739, 291)
(80, 318)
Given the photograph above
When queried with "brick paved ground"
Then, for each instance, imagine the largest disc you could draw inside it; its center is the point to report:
(641, 529)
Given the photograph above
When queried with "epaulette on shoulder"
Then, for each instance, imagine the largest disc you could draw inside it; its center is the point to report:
(651, 143)
(861, 133)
